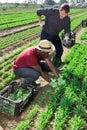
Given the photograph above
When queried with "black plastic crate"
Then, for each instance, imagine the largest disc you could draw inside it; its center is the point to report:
(72, 39)
(11, 107)
(84, 23)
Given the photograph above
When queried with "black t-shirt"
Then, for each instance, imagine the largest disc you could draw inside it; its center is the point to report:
(53, 23)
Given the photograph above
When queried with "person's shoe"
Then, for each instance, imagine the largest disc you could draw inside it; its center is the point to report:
(36, 84)
(25, 85)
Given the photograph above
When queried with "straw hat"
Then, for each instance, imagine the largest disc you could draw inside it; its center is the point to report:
(46, 46)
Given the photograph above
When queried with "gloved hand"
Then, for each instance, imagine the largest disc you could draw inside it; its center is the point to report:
(41, 23)
(66, 39)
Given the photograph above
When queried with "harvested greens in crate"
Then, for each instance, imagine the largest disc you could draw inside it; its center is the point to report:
(13, 99)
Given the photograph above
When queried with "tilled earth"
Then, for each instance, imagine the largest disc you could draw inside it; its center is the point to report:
(17, 29)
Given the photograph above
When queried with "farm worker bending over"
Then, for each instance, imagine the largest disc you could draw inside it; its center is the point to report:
(29, 64)
(55, 21)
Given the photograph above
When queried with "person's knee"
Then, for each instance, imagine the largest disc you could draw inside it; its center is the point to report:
(36, 75)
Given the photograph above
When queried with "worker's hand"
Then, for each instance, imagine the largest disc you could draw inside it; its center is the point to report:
(41, 23)
(66, 39)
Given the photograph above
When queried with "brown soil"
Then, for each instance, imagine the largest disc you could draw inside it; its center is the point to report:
(7, 122)
(6, 32)
(15, 47)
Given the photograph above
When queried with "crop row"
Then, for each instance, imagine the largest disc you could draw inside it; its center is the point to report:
(17, 19)
(8, 17)
(75, 23)
(24, 125)
(18, 37)
(9, 20)
(84, 35)
(77, 63)
(76, 11)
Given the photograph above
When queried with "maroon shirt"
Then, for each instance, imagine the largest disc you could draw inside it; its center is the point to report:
(27, 58)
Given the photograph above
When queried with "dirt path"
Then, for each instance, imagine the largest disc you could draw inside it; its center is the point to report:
(79, 31)
(17, 29)
(6, 122)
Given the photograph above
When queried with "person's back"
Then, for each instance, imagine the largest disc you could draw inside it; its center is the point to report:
(26, 58)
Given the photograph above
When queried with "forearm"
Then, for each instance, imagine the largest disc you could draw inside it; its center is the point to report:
(67, 26)
(39, 19)
(53, 69)
(45, 76)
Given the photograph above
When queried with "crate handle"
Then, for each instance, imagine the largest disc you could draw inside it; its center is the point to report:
(6, 102)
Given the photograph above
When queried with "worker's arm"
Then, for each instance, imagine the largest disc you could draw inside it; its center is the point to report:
(45, 76)
(39, 19)
(41, 23)
(51, 66)
(41, 12)
(67, 25)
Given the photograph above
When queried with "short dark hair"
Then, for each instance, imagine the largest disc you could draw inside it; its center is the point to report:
(65, 7)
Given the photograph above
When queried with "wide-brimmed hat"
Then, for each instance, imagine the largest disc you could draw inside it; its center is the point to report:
(45, 46)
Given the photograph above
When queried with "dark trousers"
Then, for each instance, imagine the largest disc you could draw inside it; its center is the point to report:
(30, 74)
(55, 41)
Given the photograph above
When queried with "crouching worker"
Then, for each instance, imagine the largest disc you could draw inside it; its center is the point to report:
(29, 65)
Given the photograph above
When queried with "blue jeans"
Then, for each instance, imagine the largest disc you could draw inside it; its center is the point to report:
(29, 74)
(56, 42)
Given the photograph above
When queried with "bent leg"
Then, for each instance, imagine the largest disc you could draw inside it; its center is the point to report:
(59, 51)
(58, 45)
(44, 35)
(31, 75)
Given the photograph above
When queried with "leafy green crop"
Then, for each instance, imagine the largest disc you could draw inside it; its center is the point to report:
(57, 82)
(18, 95)
(76, 123)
